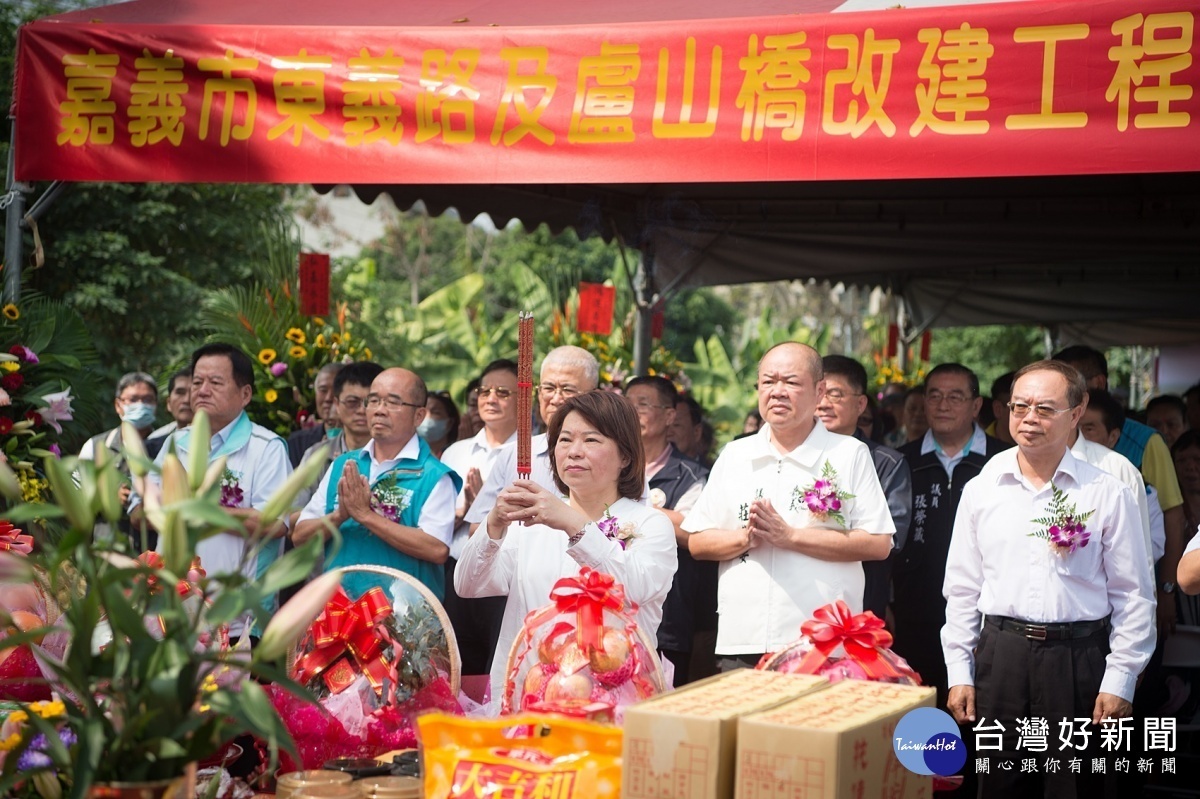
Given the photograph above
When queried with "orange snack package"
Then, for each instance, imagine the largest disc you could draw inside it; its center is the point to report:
(519, 756)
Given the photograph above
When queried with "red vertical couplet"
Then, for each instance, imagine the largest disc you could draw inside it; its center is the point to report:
(926, 338)
(524, 395)
(596, 308)
(314, 283)
(893, 340)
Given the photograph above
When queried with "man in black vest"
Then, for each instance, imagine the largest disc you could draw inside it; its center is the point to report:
(949, 455)
(675, 484)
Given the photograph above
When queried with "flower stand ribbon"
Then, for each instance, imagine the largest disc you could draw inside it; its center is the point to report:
(354, 628)
(863, 636)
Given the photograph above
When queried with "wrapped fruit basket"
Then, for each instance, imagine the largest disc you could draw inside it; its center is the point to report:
(582, 655)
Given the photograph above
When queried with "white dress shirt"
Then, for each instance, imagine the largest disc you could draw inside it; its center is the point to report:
(976, 443)
(504, 471)
(1120, 467)
(528, 560)
(996, 568)
(461, 456)
(765, 595)
(437, 514)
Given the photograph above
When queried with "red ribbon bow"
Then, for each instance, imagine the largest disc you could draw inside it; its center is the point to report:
(11, 539)
(350, 626)
(588, 595)
(862, 636)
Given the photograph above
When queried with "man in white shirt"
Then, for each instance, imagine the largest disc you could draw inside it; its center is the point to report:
(566, 371)
(477, 621)
(256, 463)
(781, 558)
(1043, 620)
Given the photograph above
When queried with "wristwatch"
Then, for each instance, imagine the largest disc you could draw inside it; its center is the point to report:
(1167, 588)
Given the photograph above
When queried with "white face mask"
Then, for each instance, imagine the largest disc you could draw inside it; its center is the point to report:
(139, 414)
(432, 429)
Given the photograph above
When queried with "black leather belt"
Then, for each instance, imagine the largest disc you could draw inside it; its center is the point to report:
(1048, 632)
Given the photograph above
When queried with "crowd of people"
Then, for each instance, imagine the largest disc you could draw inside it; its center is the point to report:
(1026, 548)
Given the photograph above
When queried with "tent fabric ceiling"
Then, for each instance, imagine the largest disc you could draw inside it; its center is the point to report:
(1114, 258)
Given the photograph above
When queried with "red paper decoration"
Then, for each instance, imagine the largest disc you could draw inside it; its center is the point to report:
(596, 308)
(314, 284)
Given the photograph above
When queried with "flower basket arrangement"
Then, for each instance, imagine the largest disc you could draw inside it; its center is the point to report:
(842, 646)
(146, 684)
(374, 663)
(582, 655)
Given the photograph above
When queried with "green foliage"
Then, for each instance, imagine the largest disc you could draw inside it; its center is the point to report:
(136, 261)
(63, 358)
(289, 348)
(147, 689)
(989, 351)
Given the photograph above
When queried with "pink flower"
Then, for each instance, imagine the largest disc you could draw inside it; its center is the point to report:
(58, 409)
(5, 399)
(30, 355)
(278, 368)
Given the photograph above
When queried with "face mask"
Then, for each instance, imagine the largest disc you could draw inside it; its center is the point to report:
(139, 414)
(433, 429)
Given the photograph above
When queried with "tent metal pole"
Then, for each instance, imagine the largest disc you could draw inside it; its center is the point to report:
(642, 322)
(14, 211)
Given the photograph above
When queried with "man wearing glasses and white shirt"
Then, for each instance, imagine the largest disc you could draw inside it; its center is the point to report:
(1050, 609)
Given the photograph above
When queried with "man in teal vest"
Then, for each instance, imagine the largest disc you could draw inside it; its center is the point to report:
(392, 501)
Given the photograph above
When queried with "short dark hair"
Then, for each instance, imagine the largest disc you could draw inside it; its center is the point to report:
(613, 417)
(185, 373)
(1187, 439)
(1091, 362)
(243, 367)
(1111, 412)
(848, 368)
(360, 373)
(693, 408)
(1076, 387)
(1193, 390)
(667, 393)
(1168, 401)
(499, 365)
(1002, 386)
(955, 369)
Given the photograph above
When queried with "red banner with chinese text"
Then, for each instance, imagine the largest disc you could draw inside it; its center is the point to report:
(963, 91)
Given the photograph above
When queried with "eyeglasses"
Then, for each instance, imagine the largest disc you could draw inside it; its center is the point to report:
(837, 396)
(351, 403)
(954, 399)
(501, 393)
(646, 407)
(1020, 409)
(548, 390)
(391, 401)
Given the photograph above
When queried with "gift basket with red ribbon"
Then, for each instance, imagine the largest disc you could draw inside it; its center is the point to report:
(583, 655)
(864, 649)
(374, 663)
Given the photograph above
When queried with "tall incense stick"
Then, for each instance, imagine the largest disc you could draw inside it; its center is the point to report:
(524, 395)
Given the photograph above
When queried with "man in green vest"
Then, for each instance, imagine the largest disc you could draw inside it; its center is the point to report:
(392, 501)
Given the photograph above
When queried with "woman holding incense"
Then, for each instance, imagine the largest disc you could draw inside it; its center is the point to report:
(533, 537)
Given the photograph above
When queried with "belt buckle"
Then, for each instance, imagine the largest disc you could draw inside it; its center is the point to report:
(1035, 632)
